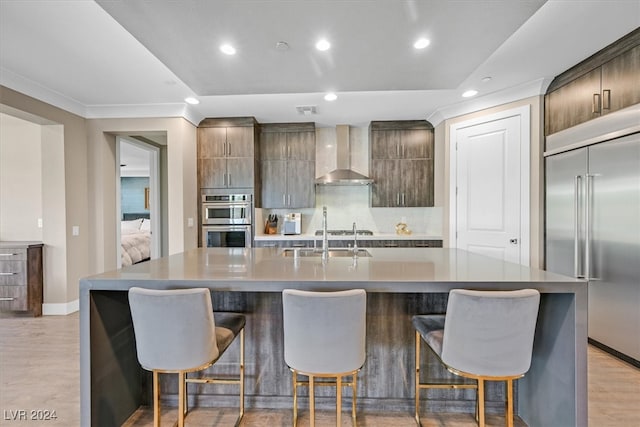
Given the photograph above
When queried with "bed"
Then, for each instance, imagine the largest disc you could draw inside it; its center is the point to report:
(135, 240)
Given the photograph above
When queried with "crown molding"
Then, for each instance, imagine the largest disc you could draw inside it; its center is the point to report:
(35, 90)
(516, 93)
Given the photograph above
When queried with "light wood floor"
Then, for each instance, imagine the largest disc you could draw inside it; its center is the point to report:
(39, 370)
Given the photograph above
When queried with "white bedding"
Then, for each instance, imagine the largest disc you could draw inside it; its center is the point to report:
(136, 246)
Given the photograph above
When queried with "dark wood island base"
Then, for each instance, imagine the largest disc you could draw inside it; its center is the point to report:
(113, 385)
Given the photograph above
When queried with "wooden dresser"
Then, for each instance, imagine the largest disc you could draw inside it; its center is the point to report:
(21, 277)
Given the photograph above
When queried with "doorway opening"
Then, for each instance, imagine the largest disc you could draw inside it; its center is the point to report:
(138, 200)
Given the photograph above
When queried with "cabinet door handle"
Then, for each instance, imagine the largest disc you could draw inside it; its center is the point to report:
(229, 179)
(595, 104)
(288, 199)
(7, 299)
(224, 179)
(288, 152)
(403, 151)
(398, 199)
(397, 150)
(402, 199)
(284, 199)
(606, 99)
(8, 254)
(8, 274)
(224, 149)
(228, 149)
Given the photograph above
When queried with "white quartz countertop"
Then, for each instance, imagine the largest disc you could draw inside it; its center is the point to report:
(387, 270)
(22, 244)
(375, 236)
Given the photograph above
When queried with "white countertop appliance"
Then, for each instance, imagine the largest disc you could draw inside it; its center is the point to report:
(292, 223)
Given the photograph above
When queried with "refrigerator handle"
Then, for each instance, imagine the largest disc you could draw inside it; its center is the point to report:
(587, 220)
(576, 226)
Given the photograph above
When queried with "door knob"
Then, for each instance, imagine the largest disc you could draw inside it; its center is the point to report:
(513, 241)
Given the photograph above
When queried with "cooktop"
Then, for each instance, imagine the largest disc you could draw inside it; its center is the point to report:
(345, 232)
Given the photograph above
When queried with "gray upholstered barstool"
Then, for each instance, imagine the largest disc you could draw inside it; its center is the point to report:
(324, 336)
(484, 336)
(177, 332)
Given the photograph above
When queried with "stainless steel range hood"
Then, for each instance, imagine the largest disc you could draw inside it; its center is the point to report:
(343, 175)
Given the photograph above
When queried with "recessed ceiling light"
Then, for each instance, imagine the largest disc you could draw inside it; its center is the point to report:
(191, 100)
(470, 93)
(282, 46)
(323, 44)
(228, 49)
(421, 43)
(330, 96)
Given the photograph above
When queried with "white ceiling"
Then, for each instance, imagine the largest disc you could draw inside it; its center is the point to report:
(138, 58)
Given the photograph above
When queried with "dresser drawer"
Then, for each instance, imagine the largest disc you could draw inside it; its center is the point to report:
(13, 273)
(9, 254)
(13, 298)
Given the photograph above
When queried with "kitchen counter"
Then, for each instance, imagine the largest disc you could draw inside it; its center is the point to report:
(400, 282)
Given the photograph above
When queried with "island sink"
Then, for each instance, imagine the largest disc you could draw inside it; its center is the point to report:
(332, 253)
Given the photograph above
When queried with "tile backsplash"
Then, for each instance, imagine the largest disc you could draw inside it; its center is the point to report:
(346, 204)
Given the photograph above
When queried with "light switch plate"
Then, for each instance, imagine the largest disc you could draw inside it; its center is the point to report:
(75, 230)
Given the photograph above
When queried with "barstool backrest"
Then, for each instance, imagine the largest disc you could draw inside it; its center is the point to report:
(324, 332)
(174, 329)
(490, 333)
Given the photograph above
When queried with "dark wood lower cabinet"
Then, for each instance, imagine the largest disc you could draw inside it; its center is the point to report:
(346, 243)
(21, 277)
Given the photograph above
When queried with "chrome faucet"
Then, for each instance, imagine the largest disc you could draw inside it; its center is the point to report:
(325, 243)
(355, 240)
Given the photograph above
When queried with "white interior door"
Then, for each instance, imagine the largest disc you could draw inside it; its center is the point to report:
(489, 189)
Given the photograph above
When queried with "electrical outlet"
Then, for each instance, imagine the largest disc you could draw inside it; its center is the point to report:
(189, 222)
(75, 230)
(39, 222)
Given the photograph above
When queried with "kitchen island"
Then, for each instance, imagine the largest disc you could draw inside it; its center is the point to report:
(399, 283)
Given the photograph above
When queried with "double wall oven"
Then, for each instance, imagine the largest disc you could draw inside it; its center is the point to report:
(226, 220)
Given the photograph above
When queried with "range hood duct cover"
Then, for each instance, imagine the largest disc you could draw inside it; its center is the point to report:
(343, 175)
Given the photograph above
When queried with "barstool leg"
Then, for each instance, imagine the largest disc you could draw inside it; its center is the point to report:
(481, 402)
(180, 399)
(509, 412)
(312, 402)
(156, 400)
(339, 401)
(186, 395)
(354, 390)
(417, 374)
(241, 374)
(295, 398)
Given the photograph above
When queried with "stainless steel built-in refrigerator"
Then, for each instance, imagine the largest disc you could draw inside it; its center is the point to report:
(593, 230)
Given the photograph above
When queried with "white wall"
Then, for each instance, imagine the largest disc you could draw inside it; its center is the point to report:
(20, 179)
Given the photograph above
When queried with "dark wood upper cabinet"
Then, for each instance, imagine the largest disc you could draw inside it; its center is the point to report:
(226, 153)
(573, 103)
(605, 82)
(287, 159)
(401, 163)
(621, 81)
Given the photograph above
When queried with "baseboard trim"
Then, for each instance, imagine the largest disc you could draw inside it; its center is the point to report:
(630, 360)
(60, 309)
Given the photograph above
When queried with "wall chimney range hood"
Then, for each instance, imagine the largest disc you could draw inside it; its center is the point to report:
(343, 175)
